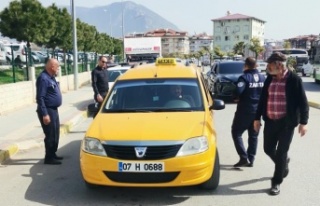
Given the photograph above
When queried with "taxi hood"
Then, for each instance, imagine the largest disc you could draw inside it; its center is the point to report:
(147, 126)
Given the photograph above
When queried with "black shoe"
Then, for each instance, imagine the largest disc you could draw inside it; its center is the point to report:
(52, 162)
(57, 157)
(286, 171)
(242, 163)
(275, 189)
(250, 164)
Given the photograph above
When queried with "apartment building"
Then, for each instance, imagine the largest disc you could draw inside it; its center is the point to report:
(303, 41)
(172, 42)
(233, 28)
(200, 41)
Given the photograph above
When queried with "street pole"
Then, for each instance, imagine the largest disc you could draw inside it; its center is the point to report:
(124, 54)
(75, 48)
(110, 24)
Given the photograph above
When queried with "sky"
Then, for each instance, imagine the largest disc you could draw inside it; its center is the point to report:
(284, 19)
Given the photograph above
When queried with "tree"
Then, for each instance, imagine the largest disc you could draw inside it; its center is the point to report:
(86, 35)
(239, 48)
(118, 46)
(25, 20)
(218, 52)
(255, 46)
(61, 29)
(287, 46)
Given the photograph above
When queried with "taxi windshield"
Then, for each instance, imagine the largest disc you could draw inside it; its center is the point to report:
(155, 95)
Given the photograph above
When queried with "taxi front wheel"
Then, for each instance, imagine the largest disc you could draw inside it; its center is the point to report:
(213, 182)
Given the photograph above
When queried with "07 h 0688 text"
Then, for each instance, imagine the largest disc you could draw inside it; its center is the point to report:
(140, 167)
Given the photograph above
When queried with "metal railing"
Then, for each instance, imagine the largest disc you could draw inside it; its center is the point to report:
(15, 70)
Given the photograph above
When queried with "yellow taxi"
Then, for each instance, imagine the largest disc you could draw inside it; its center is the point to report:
(155, 129)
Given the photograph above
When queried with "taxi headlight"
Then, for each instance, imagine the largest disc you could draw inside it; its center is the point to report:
(194, 146)
(93, 146)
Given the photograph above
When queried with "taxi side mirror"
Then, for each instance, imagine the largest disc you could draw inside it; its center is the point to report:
(218, 104)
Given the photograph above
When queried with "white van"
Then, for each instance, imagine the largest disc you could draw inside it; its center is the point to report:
(2, 53)
(18, 49)
(301, 56)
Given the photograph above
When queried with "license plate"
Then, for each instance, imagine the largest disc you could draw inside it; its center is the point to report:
(141, 167)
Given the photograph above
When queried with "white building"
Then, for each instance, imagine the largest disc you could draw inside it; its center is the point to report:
(200, 41)
(234, 28)
(172, 42)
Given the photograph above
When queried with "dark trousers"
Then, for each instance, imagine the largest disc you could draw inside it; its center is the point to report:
(277, 140)
(52, 132)
(98, 104)
(241, 123)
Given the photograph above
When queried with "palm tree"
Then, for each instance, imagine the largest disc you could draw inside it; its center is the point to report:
(239, 48)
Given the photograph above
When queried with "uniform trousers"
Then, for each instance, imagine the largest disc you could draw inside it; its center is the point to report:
(52, 132)
(241, 123)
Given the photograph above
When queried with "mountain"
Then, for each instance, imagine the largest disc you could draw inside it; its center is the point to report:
(137, 18)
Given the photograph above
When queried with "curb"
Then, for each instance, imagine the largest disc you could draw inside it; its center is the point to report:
(314, 104)
(13, 149)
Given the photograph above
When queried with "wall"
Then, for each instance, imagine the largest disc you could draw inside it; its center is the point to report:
(17, 95)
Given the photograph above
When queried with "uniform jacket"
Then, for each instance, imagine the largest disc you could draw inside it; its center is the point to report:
(297, 108)
(48, 93)
(249, 87)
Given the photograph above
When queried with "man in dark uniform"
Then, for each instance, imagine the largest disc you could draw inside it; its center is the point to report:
(247, 95)
(99, 79)
(283, 106)
(48, 100)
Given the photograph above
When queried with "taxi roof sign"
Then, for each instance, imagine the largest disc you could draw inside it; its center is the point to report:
(166, 61)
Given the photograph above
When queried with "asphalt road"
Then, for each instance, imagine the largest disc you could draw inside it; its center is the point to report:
(27, 181)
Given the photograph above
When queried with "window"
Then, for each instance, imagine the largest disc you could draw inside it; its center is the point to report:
(236, 37)
(246, 37)
(227, 30)
(227, 38)
(246, 28)
(218, 29)
(218, 38)
(231, 68)
(236, 28)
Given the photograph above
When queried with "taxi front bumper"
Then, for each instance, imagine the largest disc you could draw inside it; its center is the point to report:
(179, 171)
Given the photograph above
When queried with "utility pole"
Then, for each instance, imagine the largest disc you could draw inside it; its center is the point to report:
(124, 54)
(75, 48)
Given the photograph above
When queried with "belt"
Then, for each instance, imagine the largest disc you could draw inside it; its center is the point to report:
(54, 108)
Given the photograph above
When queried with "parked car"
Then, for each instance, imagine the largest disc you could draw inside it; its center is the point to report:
(115, 72)
(223, 76)
(41, 56)
(2, 54)
(262, 66)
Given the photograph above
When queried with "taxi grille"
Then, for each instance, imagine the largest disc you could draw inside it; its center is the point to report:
(152, 153)
(141, 177)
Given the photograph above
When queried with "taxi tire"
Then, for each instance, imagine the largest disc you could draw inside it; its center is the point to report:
(213, 182)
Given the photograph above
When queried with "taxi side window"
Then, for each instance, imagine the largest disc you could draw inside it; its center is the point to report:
(205, 86)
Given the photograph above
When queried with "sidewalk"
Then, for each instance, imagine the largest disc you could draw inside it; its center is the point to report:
(21, 129)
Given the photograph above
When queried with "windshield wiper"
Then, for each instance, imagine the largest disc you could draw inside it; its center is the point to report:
(173, 110)
(126, 110)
